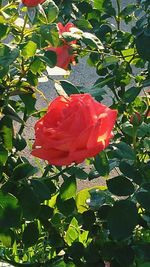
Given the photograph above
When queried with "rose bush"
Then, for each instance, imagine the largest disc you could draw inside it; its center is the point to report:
(73, 129)
(45, 219)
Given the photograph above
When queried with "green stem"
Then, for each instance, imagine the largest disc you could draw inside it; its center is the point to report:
(23, 28)
(23, 125)
(115, 94)
(5, 7)
(41, 94)
(148, 103)
(118, 14)
(134, 138)
(58, 174)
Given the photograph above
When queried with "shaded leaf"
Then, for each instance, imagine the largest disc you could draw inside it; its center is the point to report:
(122, 219)
(30, 234)
(120, 186)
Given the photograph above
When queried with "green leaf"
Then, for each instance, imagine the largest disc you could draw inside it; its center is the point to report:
(19, 142)
(144, 199)
(67, 87)
(71, 36)
(105, 6)
(3, 155)
(92, 255)
(101, 82)
(10, 217)
(59, 263)
(6, 129)
(120, 186)
(97, 197)
(45, 213)
(3, 71)
(130, 171)
(92, 41)
(103, 212)
(32, 79)
(30, 234)
(103, 31)
(121, 255)
(142, 251)
(142, 45)
(128, 54)
(9, 211)
(146, 264)
(80, 174)
(88, 219)
(49, 58)
(2, 18)
(76, 250)
(95, 193)
(122, 219)
(50, 33)
(110, 60)
(29, 101)
(83, 24)
(146, 143)
(23, 170)
(8, 200)
(143, 130)
(66, 207)
(85, 7)
(128, 10)
(98, 89)
(68, 188)
(101, 164)
(41, 189)
(29, 50)
(29, 202)
(37, 66)
(81, 199)
(124, 151)
(10, 112)
(4, 31)
(7, 55)
(128, 128)
(52, 11)
(73, 232)
(51, 186)
(7, 238)
(130, 95)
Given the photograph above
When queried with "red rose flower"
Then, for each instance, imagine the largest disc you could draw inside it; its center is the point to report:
(65, 54)
(32, 3)
(66, 28)
(73, 129)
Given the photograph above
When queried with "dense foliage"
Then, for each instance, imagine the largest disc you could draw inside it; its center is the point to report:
(44, 220)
